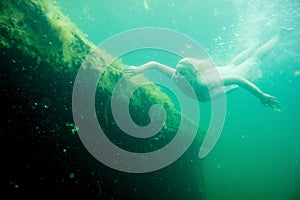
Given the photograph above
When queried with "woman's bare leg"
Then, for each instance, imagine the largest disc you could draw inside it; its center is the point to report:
(263, 50)
(250, 68)
(241, 57)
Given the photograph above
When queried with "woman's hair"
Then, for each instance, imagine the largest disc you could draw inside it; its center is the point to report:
(198, 66)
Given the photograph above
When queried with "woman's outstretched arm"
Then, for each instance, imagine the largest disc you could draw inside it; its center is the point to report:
(266, 99)
(164, 69)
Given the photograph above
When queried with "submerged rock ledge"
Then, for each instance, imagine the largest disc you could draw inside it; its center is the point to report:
(41, 52)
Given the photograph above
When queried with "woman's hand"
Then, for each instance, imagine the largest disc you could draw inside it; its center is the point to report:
(268, 100)
(132, 70)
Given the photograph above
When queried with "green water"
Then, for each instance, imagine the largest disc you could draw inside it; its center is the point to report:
(258, 153)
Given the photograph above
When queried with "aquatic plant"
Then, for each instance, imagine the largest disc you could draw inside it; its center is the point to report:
(39, 29)
(41, 52)
(41, 36)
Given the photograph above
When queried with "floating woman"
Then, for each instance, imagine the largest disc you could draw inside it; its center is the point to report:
(201, 76)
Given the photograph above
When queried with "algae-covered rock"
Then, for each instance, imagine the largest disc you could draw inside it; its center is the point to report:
(41, 31)
(41, 52)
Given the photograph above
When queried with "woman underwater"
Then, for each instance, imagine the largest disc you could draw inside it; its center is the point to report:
(207, 84)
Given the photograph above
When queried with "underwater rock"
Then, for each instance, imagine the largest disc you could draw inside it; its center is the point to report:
(41, 52)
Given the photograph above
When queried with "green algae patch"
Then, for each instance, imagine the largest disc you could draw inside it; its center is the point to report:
(38, 29)
(35, 34)
(41, 51)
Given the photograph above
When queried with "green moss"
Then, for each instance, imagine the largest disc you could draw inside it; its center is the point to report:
(66, 31)
(39, 29)
(42, 33)
(40, 54)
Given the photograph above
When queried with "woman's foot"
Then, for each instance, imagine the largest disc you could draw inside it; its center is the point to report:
(284, 31)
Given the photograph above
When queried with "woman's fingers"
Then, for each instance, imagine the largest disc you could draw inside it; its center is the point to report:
(128, 70)
(271, 101)
(274, 103)
(125, 69)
